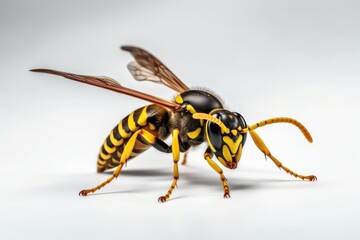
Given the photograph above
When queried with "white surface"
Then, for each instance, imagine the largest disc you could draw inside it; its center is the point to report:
(265, 58)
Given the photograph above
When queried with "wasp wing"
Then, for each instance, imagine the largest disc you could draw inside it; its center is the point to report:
(149, 68)
(111, 84)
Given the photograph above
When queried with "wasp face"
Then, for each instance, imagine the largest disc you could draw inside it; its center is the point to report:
(226, 142)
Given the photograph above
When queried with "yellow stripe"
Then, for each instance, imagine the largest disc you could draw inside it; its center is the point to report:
(143, 117)
(226, 153)
(111, 165)
(191, 109)
(122, 131)
(194, 134)
(114, 141)
(101, 162)
(115, 161)
(109, 149)
(131, 122)
(104, 156)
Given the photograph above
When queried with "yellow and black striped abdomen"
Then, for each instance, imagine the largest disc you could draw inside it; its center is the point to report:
(152, 118)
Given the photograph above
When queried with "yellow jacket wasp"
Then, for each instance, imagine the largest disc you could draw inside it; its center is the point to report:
(194, 117)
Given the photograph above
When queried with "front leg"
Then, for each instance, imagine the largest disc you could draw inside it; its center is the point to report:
(262, 147)
(176, 156)
(208, 155)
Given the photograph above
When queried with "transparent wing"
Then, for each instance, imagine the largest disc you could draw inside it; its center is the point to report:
(148, 68)
(111, 84)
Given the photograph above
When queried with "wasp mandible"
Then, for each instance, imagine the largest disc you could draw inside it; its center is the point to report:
(192, 118)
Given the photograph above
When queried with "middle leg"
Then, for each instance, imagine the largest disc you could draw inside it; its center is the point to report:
(176, 156)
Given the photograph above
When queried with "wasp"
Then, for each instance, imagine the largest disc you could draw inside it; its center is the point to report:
(192, 118)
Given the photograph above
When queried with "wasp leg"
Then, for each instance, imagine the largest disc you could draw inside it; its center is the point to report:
(208, 155)
(184, 161)
(262, 147)
(124, 157)
(148, 137)
(176, 156)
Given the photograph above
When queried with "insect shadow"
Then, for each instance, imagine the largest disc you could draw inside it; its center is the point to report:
(143, 172)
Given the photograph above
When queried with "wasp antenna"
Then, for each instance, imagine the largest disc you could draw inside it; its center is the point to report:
(292, 121)
(210, 118)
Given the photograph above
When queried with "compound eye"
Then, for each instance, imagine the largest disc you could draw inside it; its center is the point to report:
(215, 135)
(241, 120)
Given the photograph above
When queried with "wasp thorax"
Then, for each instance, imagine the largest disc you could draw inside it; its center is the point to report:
(223, 132)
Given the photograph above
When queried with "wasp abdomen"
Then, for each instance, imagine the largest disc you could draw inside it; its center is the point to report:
(151, 118)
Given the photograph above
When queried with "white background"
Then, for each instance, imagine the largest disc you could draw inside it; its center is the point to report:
(265, 58)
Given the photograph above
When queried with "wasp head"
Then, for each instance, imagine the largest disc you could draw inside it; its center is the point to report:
(224, 136)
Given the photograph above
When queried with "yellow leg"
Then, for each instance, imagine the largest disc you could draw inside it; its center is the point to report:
(124, 157)
(262, 147)
(208, 156)
(176, 156)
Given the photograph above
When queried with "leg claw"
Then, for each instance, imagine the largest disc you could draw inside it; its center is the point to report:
(162, 199)
(84, 192)
(227, 195)
(311, 178)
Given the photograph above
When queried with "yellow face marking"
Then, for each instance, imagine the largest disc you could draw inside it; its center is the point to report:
(233, 145)
(179, 99)
(132, 123)
(143, 117)
(226, 153)
(104, 156)
(234, 132)
(109, 149)
(122, 131)
(238, 153)
(114, 141)
(194, 134)
(222, 161)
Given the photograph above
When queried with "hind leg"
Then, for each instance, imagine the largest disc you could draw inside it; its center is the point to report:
(148, 137)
